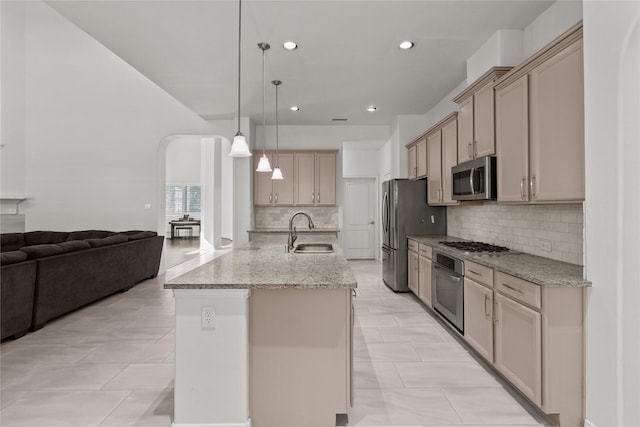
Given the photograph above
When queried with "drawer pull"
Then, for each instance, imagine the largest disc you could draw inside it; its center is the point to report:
(473, 272)
(512, 288)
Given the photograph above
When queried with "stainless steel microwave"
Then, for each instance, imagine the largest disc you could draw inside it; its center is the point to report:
(475, 179)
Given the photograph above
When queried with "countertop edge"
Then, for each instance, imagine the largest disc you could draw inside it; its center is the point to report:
(558, 281)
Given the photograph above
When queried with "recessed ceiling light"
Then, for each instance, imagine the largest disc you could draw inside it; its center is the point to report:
(295, 108)
(407, 44)
(290, 45)
(371, 108)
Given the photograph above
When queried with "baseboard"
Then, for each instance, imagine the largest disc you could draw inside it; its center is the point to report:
(588, 423)
(246, 424)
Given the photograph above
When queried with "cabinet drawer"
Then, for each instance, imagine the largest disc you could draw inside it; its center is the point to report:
(413, 245)
(518, 289)
(479, 273)
(425, 251)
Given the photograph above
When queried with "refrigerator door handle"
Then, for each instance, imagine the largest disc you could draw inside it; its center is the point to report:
(385, 212)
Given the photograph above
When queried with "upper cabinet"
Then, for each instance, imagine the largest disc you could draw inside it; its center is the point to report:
(315, 179)
(417, 158)
(540, 125)
(476, 132)
(309, 180)
(268, 192)
(442, 150)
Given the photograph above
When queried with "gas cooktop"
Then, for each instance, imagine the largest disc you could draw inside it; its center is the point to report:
(475, 246)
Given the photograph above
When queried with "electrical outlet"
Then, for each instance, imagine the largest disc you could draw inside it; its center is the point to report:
(545, 245)
(147, 206)
(208, 318)
(433, 219)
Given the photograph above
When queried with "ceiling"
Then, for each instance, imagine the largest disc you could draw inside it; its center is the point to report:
(348, 56)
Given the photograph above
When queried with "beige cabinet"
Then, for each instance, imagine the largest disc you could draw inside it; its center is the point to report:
(325, 179)
(412, 171)
(478, 308)
(315, 179)
(442, 147)
(412, 267)
(518, 352)
(268, 192)
(476, 131)
(300, 345)
(434, 183)
(540, 127)
(424, 274)
(417, 158)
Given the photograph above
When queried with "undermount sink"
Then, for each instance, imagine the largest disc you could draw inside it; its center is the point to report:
(314, 248)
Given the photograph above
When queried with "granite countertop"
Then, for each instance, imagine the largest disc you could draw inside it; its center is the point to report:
(263, 263)
(300, 230)
(532, 268)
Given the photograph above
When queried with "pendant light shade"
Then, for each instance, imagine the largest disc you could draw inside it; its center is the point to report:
(263, 164)
(277, 173)
(239, 147)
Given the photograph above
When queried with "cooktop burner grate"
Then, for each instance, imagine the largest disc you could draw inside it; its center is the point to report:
(475, 246)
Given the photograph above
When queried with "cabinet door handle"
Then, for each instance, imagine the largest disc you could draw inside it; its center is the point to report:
(270, 197)
(512, 288)
(532, 184)
(522, 181)
(475, 148)
(473, 272)
(470, 150)
(313, 197)
(487, 314)
(276, 197)
(318, 198)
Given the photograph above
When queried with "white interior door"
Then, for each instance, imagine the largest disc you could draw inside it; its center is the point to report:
(359, 218)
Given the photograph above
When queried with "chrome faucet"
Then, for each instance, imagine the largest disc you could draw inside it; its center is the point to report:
(292, 229)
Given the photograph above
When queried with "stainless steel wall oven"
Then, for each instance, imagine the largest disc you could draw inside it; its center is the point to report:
(448, 288)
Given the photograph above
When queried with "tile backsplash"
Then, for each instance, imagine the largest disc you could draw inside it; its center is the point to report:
(525, 228)
(278, 217)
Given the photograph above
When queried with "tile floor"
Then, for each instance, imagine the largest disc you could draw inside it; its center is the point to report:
(111, 364)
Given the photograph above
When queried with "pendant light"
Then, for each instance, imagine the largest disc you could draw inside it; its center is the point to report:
(277, 173)
(263, 164)
(239, 148)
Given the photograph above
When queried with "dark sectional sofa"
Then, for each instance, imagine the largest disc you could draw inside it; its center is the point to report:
(46, 274)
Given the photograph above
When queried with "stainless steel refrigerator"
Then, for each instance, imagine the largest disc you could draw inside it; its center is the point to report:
(405, 212)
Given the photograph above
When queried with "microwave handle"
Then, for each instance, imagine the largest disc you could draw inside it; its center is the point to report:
(473, 191)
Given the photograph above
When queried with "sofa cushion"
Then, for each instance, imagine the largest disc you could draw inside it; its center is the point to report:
(42, 251)
(89, 234)
(11, 241)
(142, 235)
(111, 240)
(44, 237)
(74, 245)
(12, 257)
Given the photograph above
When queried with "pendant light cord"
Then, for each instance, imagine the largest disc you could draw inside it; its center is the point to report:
(277, 154)
(264, 92)
(239, 55)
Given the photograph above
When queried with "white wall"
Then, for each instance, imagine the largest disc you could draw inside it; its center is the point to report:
(503, 48)
(558, 18)
(612, 154)
(93, 126)
(12, 125)
(183, 161)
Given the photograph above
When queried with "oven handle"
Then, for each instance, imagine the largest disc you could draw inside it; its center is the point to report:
(445, 272)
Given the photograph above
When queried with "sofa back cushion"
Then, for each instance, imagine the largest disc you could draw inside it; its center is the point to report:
(74, 245)
(11, 241)
(44, 237)
(141, 235)
(111, 240)
(89, 234)
(12, 257)
(42, 251)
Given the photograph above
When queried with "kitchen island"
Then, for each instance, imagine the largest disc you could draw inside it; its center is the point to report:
(264, 337)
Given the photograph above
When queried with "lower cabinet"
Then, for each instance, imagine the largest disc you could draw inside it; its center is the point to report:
(412, 272)
(519, 346)
(424, 274)
(478, 318)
